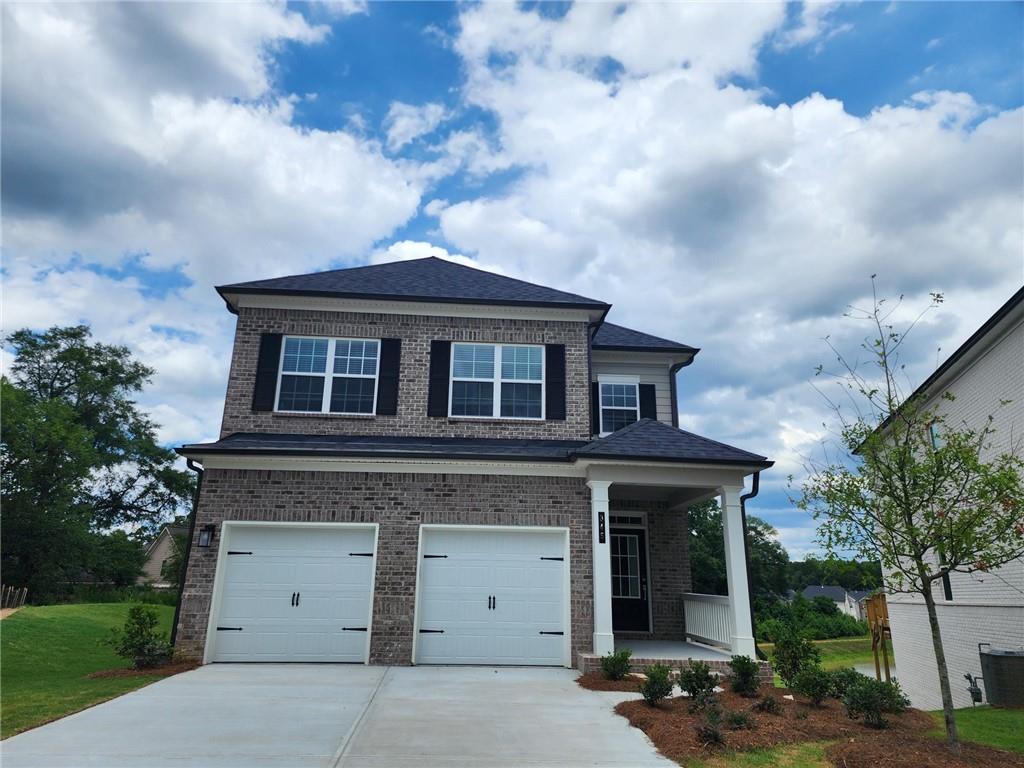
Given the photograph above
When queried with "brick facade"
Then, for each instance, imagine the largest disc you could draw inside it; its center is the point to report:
(416, 333)
(399, 503)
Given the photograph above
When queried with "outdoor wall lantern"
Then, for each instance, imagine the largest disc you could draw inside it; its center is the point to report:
(206, 535)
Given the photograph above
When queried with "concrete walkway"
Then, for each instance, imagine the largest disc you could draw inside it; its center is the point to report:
(299, 715)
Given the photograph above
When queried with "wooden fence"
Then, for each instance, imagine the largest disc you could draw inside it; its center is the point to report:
(13, 597)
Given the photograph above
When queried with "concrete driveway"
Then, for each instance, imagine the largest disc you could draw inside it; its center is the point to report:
(300, 715)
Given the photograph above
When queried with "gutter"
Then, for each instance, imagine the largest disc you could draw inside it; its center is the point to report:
(188, 547)
(754, 489)
(672, 371)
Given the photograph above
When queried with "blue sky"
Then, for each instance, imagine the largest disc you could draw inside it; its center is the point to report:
(728, 175)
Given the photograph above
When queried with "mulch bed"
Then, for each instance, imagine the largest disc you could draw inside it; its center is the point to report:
(165, 671)
(672, 728)
(596, 681)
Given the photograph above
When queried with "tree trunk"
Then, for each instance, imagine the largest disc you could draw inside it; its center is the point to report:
(952, 738)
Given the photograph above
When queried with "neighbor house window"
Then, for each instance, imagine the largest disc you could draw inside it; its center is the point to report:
(935, 434)
(620, 404)
(495, 380)
(328, 375)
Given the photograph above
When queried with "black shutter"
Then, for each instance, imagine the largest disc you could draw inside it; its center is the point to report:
(595, 409)
(266, 372)
(554, 382)
(440, 367)
(648, 404)
(387, 377)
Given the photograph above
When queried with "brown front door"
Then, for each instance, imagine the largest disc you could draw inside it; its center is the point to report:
(629, 580)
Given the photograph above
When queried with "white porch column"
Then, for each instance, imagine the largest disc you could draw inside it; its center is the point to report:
(604, 639)
(736, 572)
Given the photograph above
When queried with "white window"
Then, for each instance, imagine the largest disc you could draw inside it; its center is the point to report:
(306, 384)
(497, 381)
(620, 403)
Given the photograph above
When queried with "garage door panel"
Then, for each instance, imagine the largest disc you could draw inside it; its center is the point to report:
(455, 592)
(334, 590)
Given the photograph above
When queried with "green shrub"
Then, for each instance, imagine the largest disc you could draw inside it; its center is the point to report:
(658, 684)
(139, 641)
(769, 705)
(814, 683)
(738, 720)
(702, 700)
(696, 679)
(842, 679)
(615, 665)
(744, 679)
(793, 653)
(801, 713)
(709, 728)
(871, 699)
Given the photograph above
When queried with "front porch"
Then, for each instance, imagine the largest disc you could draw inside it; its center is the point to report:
(642, 582)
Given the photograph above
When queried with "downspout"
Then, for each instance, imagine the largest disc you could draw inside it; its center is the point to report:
(591, 333)
(672, 371)
(754, 488)
(188, 546)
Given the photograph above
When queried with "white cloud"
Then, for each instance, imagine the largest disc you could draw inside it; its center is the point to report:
(406, 122)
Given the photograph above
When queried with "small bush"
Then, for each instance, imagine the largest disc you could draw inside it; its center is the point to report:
(871, 699)
(801, 713)
(702, 700)
(738, 720)
(709, 729)
(769, 705)
(615, 666)
(658, 684)
(814, 683)
(794, 653)
(139, 641)
(842, 679)
(744, 678)
(696, 679)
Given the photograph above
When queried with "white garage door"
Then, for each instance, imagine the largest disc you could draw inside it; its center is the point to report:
(492, 596)
(295, 594)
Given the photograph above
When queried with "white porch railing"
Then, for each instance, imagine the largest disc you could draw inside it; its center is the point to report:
(708, 618)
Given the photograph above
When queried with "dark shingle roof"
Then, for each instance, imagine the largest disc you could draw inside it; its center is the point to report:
(428, 279)
(645, 440)
(835, 594)
(611, 336)
(657, 441)
(388, 447)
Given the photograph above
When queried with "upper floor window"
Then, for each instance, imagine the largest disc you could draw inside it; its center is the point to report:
(620, 403)
(347, 385)
(494, 380)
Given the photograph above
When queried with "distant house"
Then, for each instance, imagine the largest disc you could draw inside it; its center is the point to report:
(159, 551)
(850, 603)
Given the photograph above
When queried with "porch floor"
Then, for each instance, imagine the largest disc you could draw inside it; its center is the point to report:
(674, 650)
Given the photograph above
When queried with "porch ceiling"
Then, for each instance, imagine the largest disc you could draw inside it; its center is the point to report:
(673, 496)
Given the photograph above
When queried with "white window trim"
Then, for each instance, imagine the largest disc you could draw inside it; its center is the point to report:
(608, 379)
(328, 375)
(497, 381)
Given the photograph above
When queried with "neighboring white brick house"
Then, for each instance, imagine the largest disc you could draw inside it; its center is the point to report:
(985, 607)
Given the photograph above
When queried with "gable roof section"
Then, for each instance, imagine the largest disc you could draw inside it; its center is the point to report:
(835, 594)
(616, 337)
(646, 440)
(652, 440)
(428, 279)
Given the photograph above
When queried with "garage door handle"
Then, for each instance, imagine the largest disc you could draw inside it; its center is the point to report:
(293, 599)
(298, 598)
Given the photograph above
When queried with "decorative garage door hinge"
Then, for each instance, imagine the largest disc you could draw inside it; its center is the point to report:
(353, 629)
(560, 559)
(552, 633)
(431, 631)
(229, 629)
(234, 552)
(360, 554)
(433, 556)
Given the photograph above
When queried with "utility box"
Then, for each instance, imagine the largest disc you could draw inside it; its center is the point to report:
(1003, 674)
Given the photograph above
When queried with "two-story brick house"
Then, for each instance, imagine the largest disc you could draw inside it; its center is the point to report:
(422, 462)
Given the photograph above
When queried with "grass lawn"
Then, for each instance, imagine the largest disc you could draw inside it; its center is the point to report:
(808, 755)
(841, 652)
(1000, 728)
(46, 653)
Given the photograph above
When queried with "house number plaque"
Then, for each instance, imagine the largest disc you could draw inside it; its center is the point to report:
(600, 527)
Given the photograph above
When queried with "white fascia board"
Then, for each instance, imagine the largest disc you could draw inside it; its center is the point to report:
(411, 466)
(666, 359)
(383, 306)
(666, 474)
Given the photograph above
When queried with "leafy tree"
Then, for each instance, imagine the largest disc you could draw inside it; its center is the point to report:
(924, 507)
(116, 559)
(77, 458)
(768, 559)
(848, 574)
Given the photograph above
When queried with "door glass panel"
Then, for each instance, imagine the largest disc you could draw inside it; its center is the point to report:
(625, 553)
